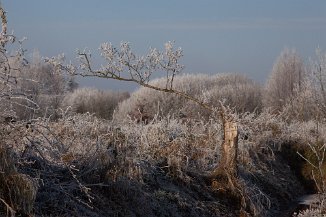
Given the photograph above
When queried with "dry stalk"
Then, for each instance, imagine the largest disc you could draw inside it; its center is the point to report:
(320, 156)
(10, 211)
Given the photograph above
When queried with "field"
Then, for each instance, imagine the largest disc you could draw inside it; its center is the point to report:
(164, 149)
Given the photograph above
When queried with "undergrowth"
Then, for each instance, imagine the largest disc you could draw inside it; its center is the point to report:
(63, 165)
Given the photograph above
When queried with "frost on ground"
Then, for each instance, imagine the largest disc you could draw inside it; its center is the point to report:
(84, 165)
(156, 152)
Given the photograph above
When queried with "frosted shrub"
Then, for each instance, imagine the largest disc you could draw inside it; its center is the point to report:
(302, 94)
(38, 83)
(173, 145)
(235, 90)
(101, 103)
(185, 145)
(285, 80)
(311, 213)
(317, 71)
(269, 128)
(46, 85)
(238, 92)
(121, 150)
(302, 106)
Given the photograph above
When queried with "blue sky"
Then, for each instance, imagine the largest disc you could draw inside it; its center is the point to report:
(243, 36)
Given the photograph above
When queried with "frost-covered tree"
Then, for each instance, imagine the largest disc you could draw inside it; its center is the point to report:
(28, 89)
(309, 101)
(12, 95)
(121, 63)
(285, 80)
(317, 71)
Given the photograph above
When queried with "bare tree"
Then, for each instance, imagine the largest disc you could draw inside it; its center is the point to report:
(285, 80)
(11, 94)
(17, 190)
(317, 71)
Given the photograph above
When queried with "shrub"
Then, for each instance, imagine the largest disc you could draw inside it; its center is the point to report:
(235, 90)
(45, 85)
(39, 89)
(100, 103)
(311, 213)
(285, 80)
(317, 71)
(302, 106)
(308, 101)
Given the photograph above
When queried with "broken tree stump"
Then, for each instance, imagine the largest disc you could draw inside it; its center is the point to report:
(227, 170)
(224, 179)
(229, 149)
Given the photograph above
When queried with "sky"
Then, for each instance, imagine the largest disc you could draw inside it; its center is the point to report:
(241, 36)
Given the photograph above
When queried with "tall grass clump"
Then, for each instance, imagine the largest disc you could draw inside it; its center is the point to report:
(17, 190)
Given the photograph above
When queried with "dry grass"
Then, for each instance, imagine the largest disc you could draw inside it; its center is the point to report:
(79, 155)
(17, 191)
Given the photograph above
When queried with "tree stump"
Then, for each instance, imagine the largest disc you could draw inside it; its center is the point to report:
(229, 150)
(227, 171)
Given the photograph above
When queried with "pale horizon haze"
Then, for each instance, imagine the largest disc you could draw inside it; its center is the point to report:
(241, 36)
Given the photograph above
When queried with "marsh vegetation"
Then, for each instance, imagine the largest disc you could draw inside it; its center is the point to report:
(161, 150)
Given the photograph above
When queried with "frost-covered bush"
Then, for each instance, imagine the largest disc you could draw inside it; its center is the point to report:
(285, 80)
(311, 213)
(45, 86)
(118, 150)
(98, 102)
(102, 151)
(317, 72)
(234, 90)
(41, 87)
(176, 145)
(307, 100)
(302, 106)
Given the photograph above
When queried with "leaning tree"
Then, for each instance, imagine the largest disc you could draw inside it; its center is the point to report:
(123, 64)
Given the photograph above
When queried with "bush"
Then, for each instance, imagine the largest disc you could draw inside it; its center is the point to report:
(313, 212)
(307, 100)
(317, 71)
(235, 90)
(100, 103)
(302, 106)
(41, 89)
(285, 80)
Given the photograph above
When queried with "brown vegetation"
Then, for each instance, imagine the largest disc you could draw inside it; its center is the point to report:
(203, 146)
